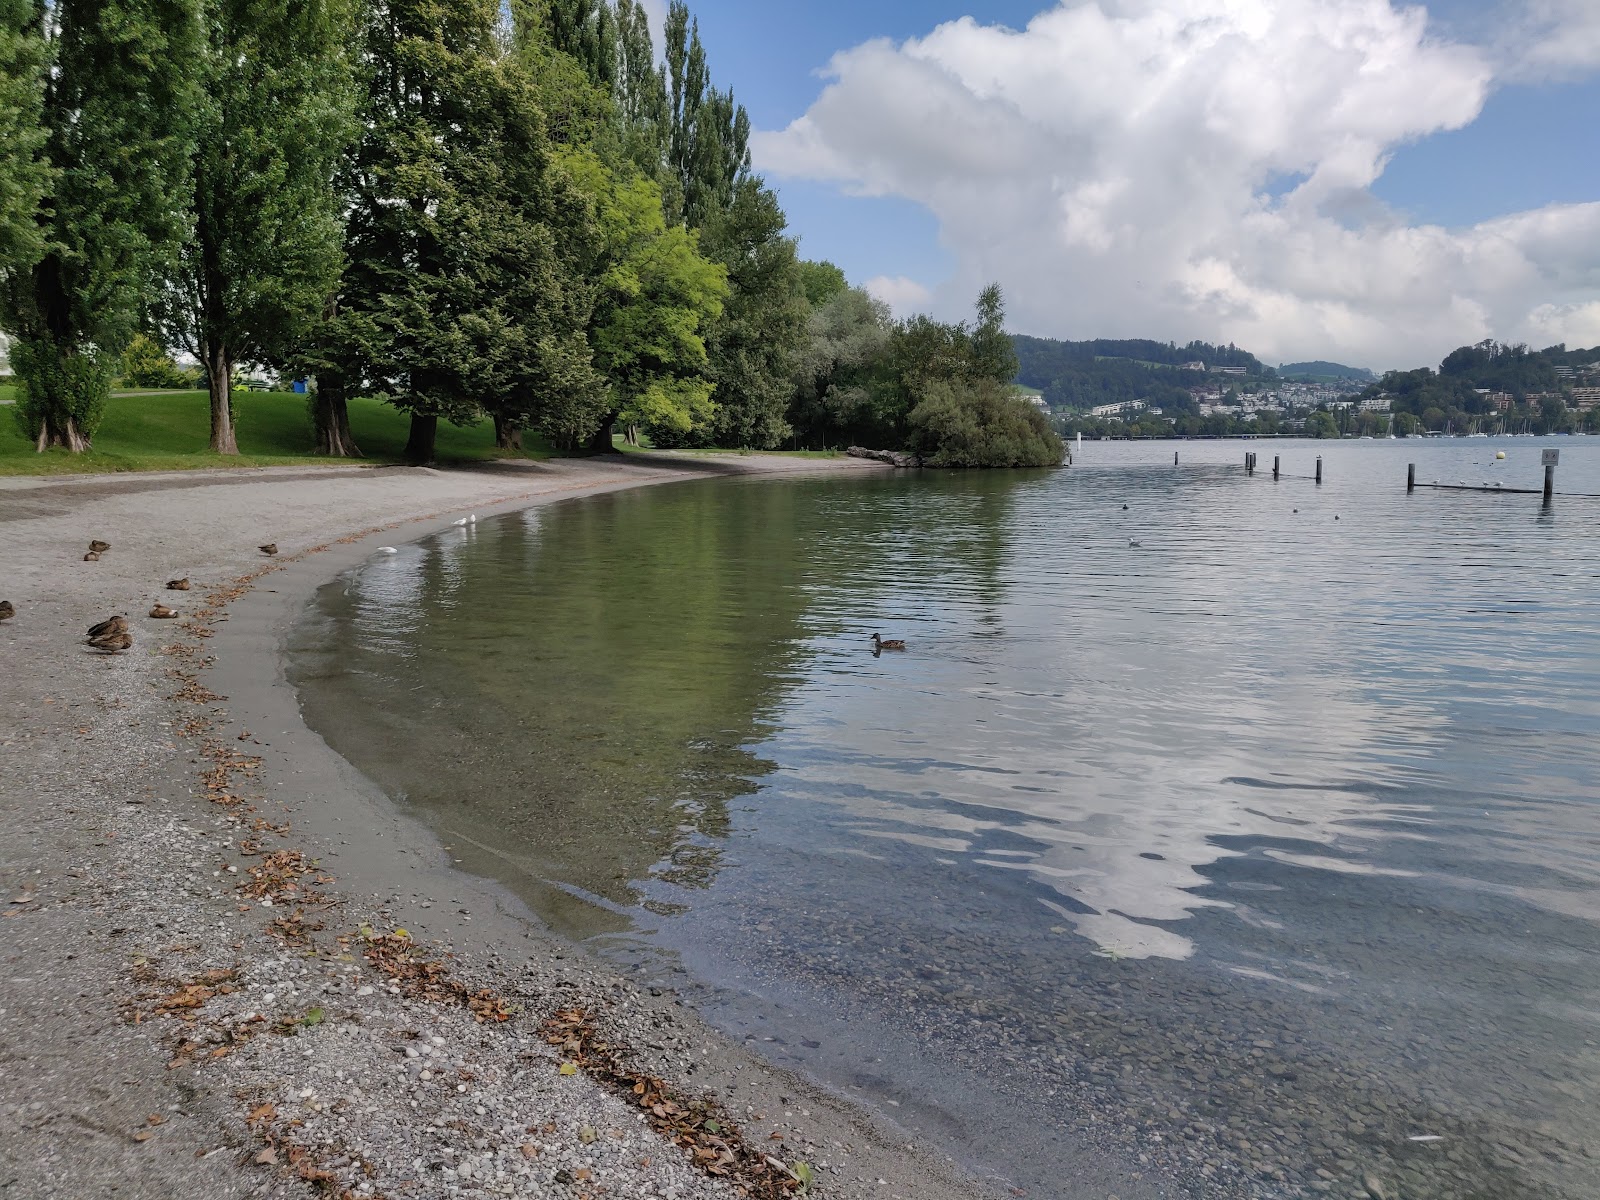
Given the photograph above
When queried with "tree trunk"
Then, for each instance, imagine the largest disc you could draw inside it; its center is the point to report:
(507, 434)
(219, 367)
(419, 446)
(633, 435)
(330, 415)
(601, 443)
(60, 431)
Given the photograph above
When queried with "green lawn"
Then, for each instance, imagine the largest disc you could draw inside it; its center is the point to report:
(169, 431)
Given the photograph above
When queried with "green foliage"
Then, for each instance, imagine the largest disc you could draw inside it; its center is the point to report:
(763, 326)
(821, 282)
(991, 352)
(708, 148)
(656, 297)
(118, 119)
(265, 254)
(1321, 425)
(841, 374)
(981, 423)
(58, 391)
(466, 248)
(145, 364)
(24, 170)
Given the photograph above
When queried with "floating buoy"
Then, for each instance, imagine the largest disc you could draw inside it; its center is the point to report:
(1499, 455)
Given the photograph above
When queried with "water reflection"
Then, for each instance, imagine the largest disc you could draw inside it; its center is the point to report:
(1275, 832)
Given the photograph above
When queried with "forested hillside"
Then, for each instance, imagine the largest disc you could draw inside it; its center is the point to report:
(1533, 386)
(1084, 375)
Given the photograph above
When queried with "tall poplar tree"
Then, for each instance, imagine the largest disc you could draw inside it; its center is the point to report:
(24, 173)
(118, 111)
(266, 248)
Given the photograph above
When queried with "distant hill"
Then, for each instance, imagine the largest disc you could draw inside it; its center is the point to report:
(1320, 370)
(1083, 375)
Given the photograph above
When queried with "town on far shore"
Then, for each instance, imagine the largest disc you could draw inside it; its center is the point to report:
(1144, 389)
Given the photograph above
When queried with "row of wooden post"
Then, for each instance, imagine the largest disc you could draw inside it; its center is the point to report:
(1277, 465)
(1549, 479)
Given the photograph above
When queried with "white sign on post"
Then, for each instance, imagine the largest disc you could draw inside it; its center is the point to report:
(1552, 458)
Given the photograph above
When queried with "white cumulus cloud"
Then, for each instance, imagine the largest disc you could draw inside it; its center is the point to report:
(1198, 168)
(904, 296)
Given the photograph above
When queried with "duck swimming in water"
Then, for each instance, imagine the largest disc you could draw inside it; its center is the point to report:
(879, 643)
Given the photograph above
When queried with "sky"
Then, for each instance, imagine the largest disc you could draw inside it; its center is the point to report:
(1358, 180)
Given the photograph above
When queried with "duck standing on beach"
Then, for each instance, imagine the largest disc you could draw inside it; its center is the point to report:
(99, 547)
(112, 643)
(178, 585)
(879, 644)
(162, 613)
(269, 549)
(92, 556)
(116, 623)
(7, 610)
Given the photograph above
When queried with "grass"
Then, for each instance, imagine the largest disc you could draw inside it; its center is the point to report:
(169, 431)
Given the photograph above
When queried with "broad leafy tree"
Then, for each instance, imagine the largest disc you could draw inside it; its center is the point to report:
(265, 253)
(656, 298)
(465, 244)
(118, 112)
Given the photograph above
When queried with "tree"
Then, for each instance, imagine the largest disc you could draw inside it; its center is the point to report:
(763, 324)
(992, 355)
(266, 250)
(840, 373)
(981, 423)
(821, 282)
(465, 244)
(146, 364)
(656, 297)
(117, 111)
(24, 170)
(708, 147)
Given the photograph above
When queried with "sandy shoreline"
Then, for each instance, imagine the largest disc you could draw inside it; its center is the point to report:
(153, 803)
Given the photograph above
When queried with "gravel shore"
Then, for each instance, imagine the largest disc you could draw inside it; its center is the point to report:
(232, 968)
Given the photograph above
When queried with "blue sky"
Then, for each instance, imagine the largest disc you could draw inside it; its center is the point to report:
(1532, 145)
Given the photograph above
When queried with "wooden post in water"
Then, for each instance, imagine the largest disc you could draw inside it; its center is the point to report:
(1411, 477)
(1249, 463)
(1275, 460)
(1174, 458)
(1319, 468)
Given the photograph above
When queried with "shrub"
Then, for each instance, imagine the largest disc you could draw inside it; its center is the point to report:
(146, 365)
(982, 424)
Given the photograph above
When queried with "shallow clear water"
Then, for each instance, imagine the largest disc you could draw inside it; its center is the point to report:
(1222, 864)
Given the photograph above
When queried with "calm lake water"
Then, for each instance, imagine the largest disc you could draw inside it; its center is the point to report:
(1228, 863)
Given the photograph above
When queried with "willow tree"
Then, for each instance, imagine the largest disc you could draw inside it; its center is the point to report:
(266, 250)
(117, 112)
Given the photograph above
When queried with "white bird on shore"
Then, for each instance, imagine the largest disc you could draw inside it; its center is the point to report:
(462, 521)
(387, 550)
(472, 518)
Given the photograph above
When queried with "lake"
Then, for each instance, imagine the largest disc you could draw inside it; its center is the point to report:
(1214, 836)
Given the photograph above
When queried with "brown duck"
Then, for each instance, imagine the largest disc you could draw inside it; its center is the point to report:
(99, 547)
(92, 556)
(161, 612)
(7, 610)
(116, 623)
(112, 643)
(879, 643)
(269, 549)
(178, 585)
